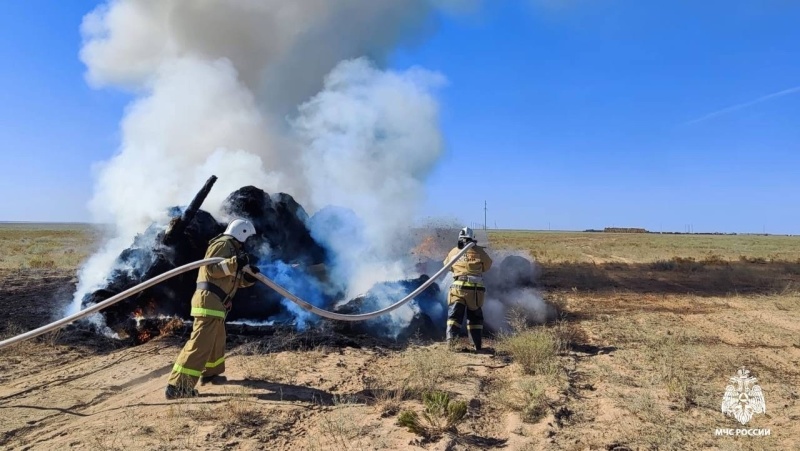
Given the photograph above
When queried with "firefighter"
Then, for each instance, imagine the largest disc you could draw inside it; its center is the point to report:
(467, 291)
(203, 356)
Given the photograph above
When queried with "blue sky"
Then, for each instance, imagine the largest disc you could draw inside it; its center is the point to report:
(563, 114)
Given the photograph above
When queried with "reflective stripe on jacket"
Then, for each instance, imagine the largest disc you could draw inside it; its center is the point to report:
(226, 275)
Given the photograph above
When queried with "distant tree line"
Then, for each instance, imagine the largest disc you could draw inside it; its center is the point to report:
(624, 230)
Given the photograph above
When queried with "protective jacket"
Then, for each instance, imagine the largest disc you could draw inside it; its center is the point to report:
(217, 284)
(473, 263)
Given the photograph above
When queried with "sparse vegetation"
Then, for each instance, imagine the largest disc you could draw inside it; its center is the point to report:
(425, 369)
(282, 367)
(639, 359)
(534, 349)
(46, 246)
(526, 395)
(241, 411)
(582, 247)
(387, 393)
(670, 355)
(439, 416)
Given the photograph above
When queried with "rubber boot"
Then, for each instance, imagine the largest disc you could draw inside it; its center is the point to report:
(173, 392)
(216, 379)
(476, 335)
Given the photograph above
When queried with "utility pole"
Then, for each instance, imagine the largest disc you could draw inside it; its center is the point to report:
(484, 215)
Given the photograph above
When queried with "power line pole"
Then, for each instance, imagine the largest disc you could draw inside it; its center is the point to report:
(484, 215)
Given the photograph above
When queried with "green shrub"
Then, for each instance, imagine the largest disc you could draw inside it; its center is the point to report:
(440, 415)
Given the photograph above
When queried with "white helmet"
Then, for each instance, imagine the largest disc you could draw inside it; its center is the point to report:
(241, 229)
(467, 233)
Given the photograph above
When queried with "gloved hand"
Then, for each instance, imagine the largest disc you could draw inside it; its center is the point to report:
(247, 276)
(245, 258)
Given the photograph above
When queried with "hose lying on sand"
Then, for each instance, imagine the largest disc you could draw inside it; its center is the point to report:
(262, 278)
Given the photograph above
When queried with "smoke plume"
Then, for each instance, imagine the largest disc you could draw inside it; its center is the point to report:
(511, 297)
(287, 96)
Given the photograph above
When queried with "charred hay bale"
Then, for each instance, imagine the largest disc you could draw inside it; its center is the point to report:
(149, 257)
(280, 224)
(422, 317)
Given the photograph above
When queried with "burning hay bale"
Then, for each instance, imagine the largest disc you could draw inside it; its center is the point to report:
(282, 236)
(289, 254)
(149, 256)
(281, 225)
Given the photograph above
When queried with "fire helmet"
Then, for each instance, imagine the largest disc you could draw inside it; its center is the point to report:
(241, 229)
(466, 234)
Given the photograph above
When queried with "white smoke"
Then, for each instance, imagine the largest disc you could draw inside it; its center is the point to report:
(286, 96)
(511, 297)
(365, 152)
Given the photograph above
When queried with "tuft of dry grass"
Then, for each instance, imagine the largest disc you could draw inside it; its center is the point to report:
(240, 411)
(440, 415)
(342, 427)
(387, 393)
(671, 357)
(526, 395)
(427, 368)
(535, 349)
(284, 367)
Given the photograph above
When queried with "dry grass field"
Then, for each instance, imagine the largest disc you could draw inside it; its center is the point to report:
(46, 246)
(594, 247)
(676, 316)
(651, 328)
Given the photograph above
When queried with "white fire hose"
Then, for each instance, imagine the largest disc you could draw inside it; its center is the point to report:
(262, 278)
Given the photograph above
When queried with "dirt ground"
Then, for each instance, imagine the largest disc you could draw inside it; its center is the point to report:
(647, 352)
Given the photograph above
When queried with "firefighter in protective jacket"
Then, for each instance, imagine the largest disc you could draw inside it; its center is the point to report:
(467, 291)
(203, 356)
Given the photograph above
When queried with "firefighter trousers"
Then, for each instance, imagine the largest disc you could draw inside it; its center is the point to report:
(463, 300)
(203, 354)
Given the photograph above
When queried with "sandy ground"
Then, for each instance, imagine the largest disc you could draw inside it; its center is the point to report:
(642, 370)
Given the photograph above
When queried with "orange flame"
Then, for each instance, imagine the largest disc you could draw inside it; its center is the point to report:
(428, 248)
(144, 336)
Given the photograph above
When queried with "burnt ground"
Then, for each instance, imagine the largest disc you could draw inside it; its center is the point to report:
(646, 364)
(31, 296)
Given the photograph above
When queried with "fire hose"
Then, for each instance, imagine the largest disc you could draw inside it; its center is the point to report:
(260, 277)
